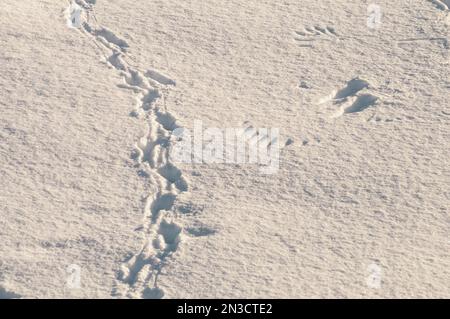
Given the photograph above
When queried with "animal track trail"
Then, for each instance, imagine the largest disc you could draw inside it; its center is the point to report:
(7, 294)
(441, 4)
(309, 35)
(354, 97)
(138, 277)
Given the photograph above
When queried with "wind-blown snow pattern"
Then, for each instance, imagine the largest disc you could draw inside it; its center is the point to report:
(138, 277)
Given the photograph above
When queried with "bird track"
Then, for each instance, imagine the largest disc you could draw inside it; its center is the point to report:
(441, 4)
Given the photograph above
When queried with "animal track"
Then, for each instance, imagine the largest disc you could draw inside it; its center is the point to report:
(138, 276)
(189, 208)
(441, 4)
(162, 202)
(357, 104)
(309, 35)
(261, 137)
(257, 136)
(73, 15)
(352, 98)
(158, 77)
(352, 87)
(110, 39)
(200, 231)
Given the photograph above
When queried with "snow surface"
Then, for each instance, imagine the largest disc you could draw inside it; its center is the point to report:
(93, 93)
